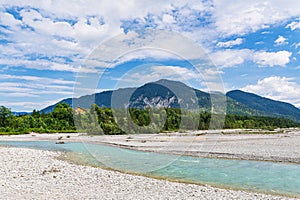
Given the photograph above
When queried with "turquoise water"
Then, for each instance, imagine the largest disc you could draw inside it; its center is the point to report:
(281, 178)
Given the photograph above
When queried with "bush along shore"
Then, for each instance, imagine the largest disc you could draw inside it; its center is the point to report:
(102, 120)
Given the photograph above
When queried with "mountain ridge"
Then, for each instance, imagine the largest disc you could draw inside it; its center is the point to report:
(175, 94)
(266, 105)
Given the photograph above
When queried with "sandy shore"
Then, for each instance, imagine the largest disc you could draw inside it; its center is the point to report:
(37, 174)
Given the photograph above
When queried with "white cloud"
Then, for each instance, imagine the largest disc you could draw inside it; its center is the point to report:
(8, 19)
(50, 30)
(62, 67)
(38, 64)
(207, 79)
(280, 58)
(266, 32)
(280, 41)
(161, 45)
(18, 94)
(27, 106)
(294, 25)
(144, 74)
(175, 70)
(41, 80)
(94, 22)
(296, 45)
(230, 58)
(260, 42)
(230, 43)
(278, 88)
(18, 89)
(242, 17)
(212, 72)
(168, 18)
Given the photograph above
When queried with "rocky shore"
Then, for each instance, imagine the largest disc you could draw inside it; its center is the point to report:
(278, 146)
(37, 174)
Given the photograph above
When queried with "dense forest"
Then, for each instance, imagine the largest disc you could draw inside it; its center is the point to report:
(104, 120)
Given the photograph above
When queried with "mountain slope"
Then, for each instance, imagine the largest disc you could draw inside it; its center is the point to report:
(174, 94)
(166, 93)
(265, 106)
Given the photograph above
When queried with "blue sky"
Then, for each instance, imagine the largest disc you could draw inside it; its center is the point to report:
(46, 47)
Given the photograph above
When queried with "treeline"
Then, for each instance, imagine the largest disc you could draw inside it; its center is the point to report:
(258, 122)
(60, 120)
(98, 120)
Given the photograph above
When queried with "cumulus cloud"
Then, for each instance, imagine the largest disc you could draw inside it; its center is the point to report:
(280, 58)
(240, 18)
(280, 41)
(175, 70)
(230, 43)
(144, 74)
(73, 28)
(208, 79)
(168, 18)
(230, 58)
(278, 88)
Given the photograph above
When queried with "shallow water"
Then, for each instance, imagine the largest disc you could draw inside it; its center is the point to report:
(270, 177)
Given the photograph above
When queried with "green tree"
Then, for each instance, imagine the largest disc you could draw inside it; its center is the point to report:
(64, 115)
(5, 116)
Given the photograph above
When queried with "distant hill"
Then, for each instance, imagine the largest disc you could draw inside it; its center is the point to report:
(19, 113)
(264, 105)
(174, 94)
(50, 108)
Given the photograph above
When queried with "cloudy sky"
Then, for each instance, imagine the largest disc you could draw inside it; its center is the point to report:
(46, 45)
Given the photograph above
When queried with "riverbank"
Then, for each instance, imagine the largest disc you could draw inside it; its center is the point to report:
(228, 144)
(37, 174)
(280, 146)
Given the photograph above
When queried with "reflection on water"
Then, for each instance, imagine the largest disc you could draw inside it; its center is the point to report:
(281, 178)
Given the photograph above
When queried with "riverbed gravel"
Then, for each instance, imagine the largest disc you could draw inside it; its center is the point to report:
(37, 174)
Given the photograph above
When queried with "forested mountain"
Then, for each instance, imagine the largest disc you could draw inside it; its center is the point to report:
(174, 94)
(183, 108)
(265, 106)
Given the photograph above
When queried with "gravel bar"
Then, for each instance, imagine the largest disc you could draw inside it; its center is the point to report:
(37, 174)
